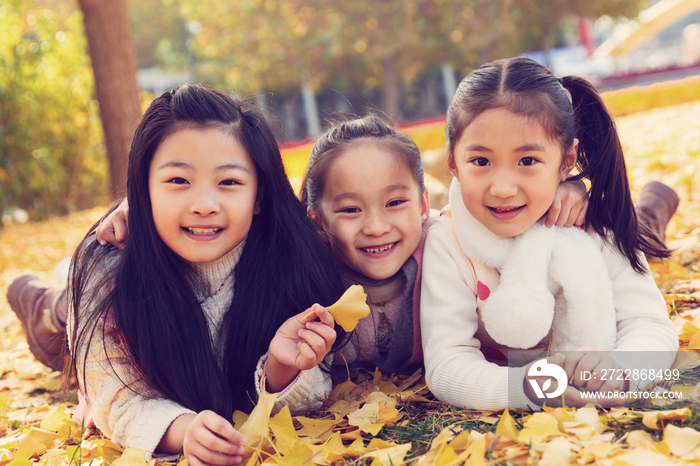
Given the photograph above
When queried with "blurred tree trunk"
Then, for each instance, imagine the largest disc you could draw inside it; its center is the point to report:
(111, 49)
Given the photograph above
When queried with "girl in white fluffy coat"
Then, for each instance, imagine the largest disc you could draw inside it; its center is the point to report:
(496, 282)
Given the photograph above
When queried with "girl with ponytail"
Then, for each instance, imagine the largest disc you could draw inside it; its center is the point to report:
(499, 289)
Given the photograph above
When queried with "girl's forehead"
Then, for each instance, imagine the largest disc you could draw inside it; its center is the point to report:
(366, 152)
(202, 146)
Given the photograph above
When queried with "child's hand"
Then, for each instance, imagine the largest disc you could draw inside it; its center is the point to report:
(600, 368)
(569, 205)
(114, 228)
(210, 439)
(299, 344)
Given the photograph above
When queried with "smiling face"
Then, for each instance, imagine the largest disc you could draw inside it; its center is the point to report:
(509, 170)
(372, 210)
(203, 189)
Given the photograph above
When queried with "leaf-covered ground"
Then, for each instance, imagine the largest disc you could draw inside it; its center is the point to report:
(374, 420)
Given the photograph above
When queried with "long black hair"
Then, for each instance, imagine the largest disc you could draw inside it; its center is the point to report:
(568, 108)
(149, 293)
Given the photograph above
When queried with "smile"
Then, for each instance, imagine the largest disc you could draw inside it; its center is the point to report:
(500, 210)
(379, 249)
(203, 231)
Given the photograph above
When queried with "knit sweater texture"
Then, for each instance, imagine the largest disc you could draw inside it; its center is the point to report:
(457, 370)
(136, 417)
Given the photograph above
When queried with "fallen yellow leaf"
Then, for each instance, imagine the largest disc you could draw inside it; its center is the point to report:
(367, 418)
(315, 428)
(283, 428)
(539, 427)
(56, 420)
(557, 452)
(506, 427)
(256, 427)
(681, 440)
(131, 457)
(686, 360)
(388, 454)
(689, 329)
(651, 418)
(694, 342)
(301, 454)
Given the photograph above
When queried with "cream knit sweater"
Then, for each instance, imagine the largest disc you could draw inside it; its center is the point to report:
(132, 419)
(456, 369)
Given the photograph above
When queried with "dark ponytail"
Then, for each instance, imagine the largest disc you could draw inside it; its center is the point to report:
(600, 159)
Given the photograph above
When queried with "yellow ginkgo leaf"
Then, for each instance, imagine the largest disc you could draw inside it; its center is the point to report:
(350, 308)
(256, 427)
(681, 440)
(283, 428)
(56, 420)
(131, 457)
(506, 426)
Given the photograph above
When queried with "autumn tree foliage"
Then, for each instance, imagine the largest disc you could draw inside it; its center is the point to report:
(51, 156)
(277, 45)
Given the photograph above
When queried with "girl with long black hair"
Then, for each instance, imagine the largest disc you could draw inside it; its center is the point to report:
(171, 334)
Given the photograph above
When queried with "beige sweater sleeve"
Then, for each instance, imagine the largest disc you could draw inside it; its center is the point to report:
(307, 392)
(122, 406)
(455, 368)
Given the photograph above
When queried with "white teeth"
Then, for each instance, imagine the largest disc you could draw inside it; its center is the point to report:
(203, 231)
(378, 250)
(505, 210)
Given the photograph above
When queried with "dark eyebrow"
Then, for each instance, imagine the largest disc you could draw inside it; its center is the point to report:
(475, 147)
(176, 164)
(340, 197)
(527, 147)
(189, 166)
(530, 147)
(233, 166)
(396, 187)
(355, 195)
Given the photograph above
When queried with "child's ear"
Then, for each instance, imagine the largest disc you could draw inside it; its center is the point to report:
(317, 222)
(258, 200)
(424, 206)
(569, 161)
(451, 165)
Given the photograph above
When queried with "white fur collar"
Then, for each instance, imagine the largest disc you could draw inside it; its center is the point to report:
(550, 278)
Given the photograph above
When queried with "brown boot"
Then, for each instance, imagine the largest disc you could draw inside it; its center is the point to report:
(38, 308)
(655, 207)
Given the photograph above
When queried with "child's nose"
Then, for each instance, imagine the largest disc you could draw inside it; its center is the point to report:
(503, 186)
(206, 203)
(376, 225)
